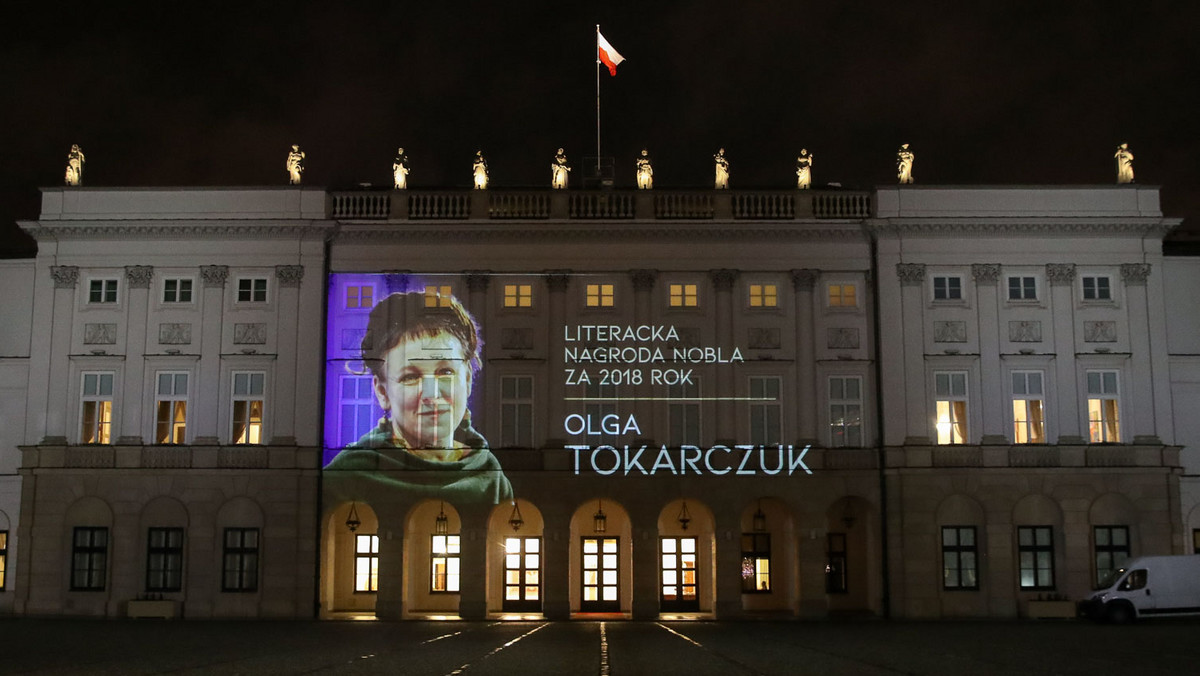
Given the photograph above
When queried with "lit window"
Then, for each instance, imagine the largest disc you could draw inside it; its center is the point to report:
(845, 411)
(683, 295)
(171, 408)
(164, 559)
(1022, 288)
(360, 297)
(240, 560)
(444, 564)
(1104, 424)
(1112, 549)
(96, 413)
(947, 288)
(765, 428)
(756, 563)
(357, 409)
(366, 563)
(177, 290)
(522, 572)
(684, 413)
(252, 290)
(1097, 288)
(516, 412)
(599, 295)
(950, 391)
(764, 295)
(3, 559)
(89, 558)
(518, 295)
(1035, 547)
(248, 407)
(1029, 422)
(438, 296)
(102, 291)
(836, 581)
(959, 558)
(843, 295)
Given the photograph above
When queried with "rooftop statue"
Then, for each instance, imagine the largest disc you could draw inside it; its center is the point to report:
(75, 166)
(804, 165)
(295, 165)
(1124, 164)
(400, 170)
(558, 171)
(480, 170)
(721, 181)
(904, 164)
(645, 172)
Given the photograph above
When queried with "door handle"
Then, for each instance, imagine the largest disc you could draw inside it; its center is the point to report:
(1147, 592)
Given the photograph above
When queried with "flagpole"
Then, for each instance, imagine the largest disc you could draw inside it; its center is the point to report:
(597, 104)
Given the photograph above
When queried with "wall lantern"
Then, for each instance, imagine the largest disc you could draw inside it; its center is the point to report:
(599, 519)
(759, 519)
(441, 523)
(684, 516)
(515, 519)
(352, 521)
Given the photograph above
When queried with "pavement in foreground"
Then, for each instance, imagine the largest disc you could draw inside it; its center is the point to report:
(869, 648)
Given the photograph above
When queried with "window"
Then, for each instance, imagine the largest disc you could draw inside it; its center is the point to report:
(1112, 549)
(950, 390)
(102, 291)
(171, 416)
(518, 295)
(1029, 422)
(1196, 540)
(96, 413)
(756, 563)
(516, 412)
(240, 568)
(959, 557)
(765, 413)
(599, 295)
(357, 412)
(683, 412)
(1022, 288)
(947, 288)
(164, 560)
(1104, 424)
(835, 564)
(443, 566)
(3, 559)
(845, 412)
(248, 407)
(764, 295)
(177, 290)
(360, 297)
(600, 402)
(522, 573)
(1097, 288)
(89, 558)
(438, 296)
(843, 295)
(683, 295)
(366, 563)
(1035, 547)
(252, 290)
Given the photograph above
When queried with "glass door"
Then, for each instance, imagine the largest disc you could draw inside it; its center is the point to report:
(601, 575)
(522, 574)
(678, 590)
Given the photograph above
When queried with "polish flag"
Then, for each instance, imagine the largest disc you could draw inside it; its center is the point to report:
(609, 56)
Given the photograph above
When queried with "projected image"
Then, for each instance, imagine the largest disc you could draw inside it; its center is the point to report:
(403, 370)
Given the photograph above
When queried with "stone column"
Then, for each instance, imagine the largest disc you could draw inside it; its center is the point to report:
(472, 603)
(917, 405)
(136, 330)
(987, 301)
(389, 599)
(213, 277)
(727, 412)
(809, 390)
(1061, 277)
(643, 313)
(727, 535)
(556, 562)
(1141, 376)
(557, 283)
(478, 282)
(644, 555)
(287, 313)
(66, 278)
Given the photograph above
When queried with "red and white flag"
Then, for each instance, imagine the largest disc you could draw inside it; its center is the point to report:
(607, 55)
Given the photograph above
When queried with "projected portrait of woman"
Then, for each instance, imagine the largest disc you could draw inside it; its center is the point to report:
(423, 353)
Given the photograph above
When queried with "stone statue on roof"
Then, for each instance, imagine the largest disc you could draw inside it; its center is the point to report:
(295, 165)
(1124, 160)
(480, 171)
(75, 166)
(558, 171)
(804, 165)
(904, 164)
(645, 172)
(721, 165)
(400, 170)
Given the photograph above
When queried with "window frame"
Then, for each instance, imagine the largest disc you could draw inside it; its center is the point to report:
(957, 550)
(240, 578)
(600, 295)
(249, 398)
(438, 296)
(754, 557)
(450, 559)
(950, 398)
(179, 283)
(360, 300)
(950, 293)
(164, 560)
(843, 402)
(1102, 423)
(1028, 423)
(95, 557)
(252, 290)
(371, 559)
(172, 399)
(768, 408)
(3, 559)
(516, 296)
(837, 561)
(108, 287)
(684, 411)
(841, 304)
(1034, 549)
(86, 398)
(1096, 288)
(1112, 551)
(362, 409)
(762, 296)
(518, 413)
(1022, 288)
(683, 295)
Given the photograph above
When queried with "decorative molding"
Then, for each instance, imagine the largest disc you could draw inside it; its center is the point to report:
(139, 276)
(764, 338)
(474, 232)
(985, 273)
(910, 273)
(558, 280)
(214, 276)
(723, 278)
(805, 279)
(1059, 274)
(65, 276)
(643, 280)
(1025, 331)
(289, 275)
(99, 334)
(991, 225)
(478, 281)
(175, 334)
(949, 332)
(1135, 273)
(1100, 332)
(842, 339)
(516, 338)
(158, 230)
(250, 334)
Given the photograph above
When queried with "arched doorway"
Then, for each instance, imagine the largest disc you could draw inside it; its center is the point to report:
(350, 577)
(516, 558)
(602, 561)
(849, 560)
(432, 549)
(770, 579)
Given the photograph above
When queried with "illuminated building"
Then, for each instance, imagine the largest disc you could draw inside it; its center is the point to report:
(186, 361)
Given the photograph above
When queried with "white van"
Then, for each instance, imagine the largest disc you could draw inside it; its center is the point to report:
(1148, 586)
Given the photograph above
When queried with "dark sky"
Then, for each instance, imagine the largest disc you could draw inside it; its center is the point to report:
(215, 93)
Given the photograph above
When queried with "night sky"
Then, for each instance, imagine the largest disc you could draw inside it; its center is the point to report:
(214, 94)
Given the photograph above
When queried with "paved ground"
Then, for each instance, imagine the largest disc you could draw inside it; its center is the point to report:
(868, 648)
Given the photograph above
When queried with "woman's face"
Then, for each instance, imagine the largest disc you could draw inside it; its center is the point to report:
(427, 382)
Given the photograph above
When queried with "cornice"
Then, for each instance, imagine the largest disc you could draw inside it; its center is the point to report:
(1023, 226)
(375, 231)
(76, 230)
